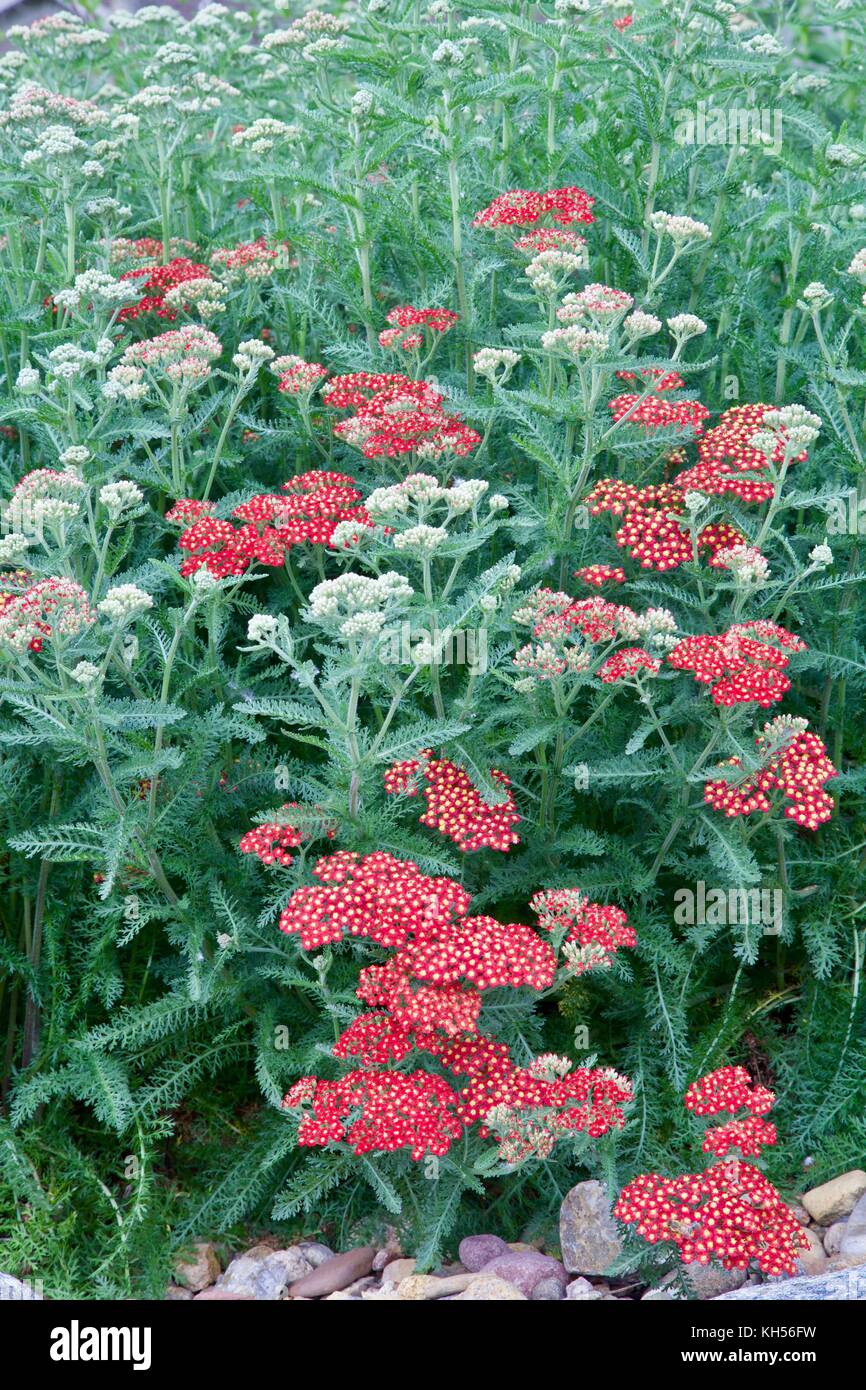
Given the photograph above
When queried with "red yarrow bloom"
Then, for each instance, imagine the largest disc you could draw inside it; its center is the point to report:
(271, 841)
(656, 412)
(598, 575)
(728, 1089)
(524, 208)
(407, 325)
(157, 281)
(379, 1112)
(455, 807)
(598, 929)
(728, 465)
(741, 665)
(748, 1137)
(626, 664)
(730, 1213)
(376, 896)
(797, 766)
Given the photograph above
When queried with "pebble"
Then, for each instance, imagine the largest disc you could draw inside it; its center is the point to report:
(477, 1251)
(335, 1274)
(537, 1276)
(836, 1198)
(198, 1268)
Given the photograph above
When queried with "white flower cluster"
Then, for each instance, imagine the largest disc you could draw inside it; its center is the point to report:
(746, 564)
(202, 293)
(765, 44)
(120, 497)
(800, 425)
(815, 297)
(422, 538)
(858, 264)
(123, 603)
(85, 673)
(575, 341)
(356, 605)
(251, 355)
(417, 497)
(549, 270)
(13, 547)
(264, 134)
(97, 288)
(680, 229)
(262, 628)
(685, 326)
(640, 324)
(844, 156)
(495, 364)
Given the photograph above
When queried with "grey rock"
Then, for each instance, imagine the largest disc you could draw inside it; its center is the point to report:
(587, 1231)
(845, 1284)
(14, 1290)
(853, 1241)
(708, 1281)
(216, 1295)
(582, 1291)
(334, 1274)
(537, 1276)
(263, 1273)
(477, 1251)
(314, 1253)
(833, 1237)
(488, 1288)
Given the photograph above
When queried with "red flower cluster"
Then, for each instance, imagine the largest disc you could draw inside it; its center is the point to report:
(522, 207)
(727, 463)
(599, 929)
(748, 1136)
(549, 239)
(395, 415)
(300, 377)
(730, 1212)
(799, 769)
(375, 896)
(598, 575)
(741, 665)
(626, 664)
(252, 260)
(426, 999)
(664, 380)
(649, 532)
(271, 841)
(415, 1111)
(655, 412)
(315, 504)
(157, 281)
(454, 806)
(408, 325)
(188, 509)
(728, 1090)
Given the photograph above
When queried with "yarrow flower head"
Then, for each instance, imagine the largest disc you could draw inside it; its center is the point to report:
(454, 806)
(523, 208)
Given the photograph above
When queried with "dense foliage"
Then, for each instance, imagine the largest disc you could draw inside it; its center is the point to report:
(433, 452)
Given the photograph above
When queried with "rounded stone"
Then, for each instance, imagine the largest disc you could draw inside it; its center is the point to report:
(477, 1251)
